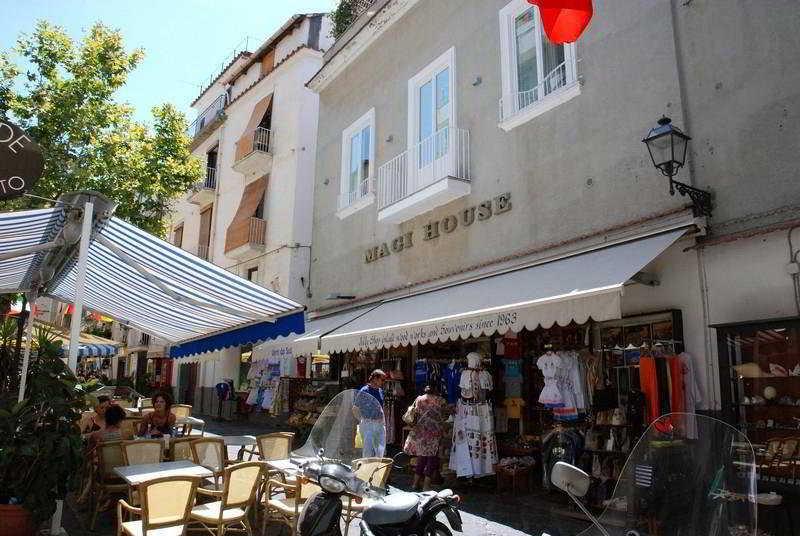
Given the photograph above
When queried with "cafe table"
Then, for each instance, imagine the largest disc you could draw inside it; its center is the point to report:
(134, 475)
(193, 421)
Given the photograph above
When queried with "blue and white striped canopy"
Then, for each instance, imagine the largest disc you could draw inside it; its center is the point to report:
(21, 230)
(181, 299)
(93, 350)
(116, 289)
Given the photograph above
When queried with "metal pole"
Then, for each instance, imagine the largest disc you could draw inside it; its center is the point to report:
(80, 283)
(20, 328)
(23, 379)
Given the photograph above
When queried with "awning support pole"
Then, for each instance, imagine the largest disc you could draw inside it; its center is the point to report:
(26, 356)
(21, 252)
(130, 261)
(80, 284)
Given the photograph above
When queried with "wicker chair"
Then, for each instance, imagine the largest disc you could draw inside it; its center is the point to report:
(166, 507)
(182, 410)
(143, 451)
(107, 482)
(284, 502)
(274, 446)
(234, 500)
(374, 470)
(181, 449)
(211, 453)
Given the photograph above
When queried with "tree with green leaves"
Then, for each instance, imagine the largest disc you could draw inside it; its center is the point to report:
(63, 93)
(342, 17)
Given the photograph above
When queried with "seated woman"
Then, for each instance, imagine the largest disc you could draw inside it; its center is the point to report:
(92, 421)
(114, 416)
(160, 421)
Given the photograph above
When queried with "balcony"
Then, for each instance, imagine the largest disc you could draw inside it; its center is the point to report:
(202, 251)
(207, 121)
(246, 238)
(557, 87)
(203, 192)
(254, 154)
(430, 174)
(352, 202)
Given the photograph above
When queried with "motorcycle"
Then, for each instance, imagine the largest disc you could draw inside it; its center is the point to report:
(345, 432)
(687, 475)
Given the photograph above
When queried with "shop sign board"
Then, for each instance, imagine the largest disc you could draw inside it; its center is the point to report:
(21, 161)
(442, 331)
(280, 352)
(443, 227)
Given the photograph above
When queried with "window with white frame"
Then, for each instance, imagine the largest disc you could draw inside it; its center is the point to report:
(358, 162)
(537, 74)
(430, 105)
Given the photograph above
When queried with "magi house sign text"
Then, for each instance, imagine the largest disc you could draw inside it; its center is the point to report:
(442, 227)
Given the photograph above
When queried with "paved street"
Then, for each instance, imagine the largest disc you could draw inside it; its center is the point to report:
(484, 511)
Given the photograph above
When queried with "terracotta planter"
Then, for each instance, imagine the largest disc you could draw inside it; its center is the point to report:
(15, 521)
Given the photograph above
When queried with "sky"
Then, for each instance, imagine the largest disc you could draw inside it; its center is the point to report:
(186, 42)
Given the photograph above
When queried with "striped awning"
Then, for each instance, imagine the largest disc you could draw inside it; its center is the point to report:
(20, 230)
(93, 350)
(151, 285)
(89, 345)
(183, 299)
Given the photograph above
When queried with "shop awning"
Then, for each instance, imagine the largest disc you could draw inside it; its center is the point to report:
(576, 288)
(308, 342)
(21, 230)
(145, 282)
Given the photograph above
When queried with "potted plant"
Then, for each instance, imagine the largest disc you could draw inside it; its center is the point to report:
(40, 444)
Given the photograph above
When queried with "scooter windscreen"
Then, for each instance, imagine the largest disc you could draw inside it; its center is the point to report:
(687, 475)
(351, 426)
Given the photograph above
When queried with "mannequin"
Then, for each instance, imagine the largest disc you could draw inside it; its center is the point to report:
(474, 451)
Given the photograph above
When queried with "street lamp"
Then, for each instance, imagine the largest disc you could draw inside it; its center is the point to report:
(667, 146)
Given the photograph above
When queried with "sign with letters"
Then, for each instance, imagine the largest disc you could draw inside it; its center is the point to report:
(21, 161)
(432, 230)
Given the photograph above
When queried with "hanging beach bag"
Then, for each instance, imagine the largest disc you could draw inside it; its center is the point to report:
(410, 416)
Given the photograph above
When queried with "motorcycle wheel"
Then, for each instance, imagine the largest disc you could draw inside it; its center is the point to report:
(437, 528)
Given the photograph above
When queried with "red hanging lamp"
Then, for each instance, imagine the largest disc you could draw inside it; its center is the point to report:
(564, 20)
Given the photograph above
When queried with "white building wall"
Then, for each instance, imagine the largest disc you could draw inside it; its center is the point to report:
(679, 277)
(284, 263)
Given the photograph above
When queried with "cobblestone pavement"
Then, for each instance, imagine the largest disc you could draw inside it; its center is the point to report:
(484, 511)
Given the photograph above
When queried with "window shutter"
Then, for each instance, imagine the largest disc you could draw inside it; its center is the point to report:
(245, 144)
(239, 230)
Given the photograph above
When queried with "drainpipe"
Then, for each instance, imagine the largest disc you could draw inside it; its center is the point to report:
(712, 365)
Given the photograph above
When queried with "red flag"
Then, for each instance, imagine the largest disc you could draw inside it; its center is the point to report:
(564, 20)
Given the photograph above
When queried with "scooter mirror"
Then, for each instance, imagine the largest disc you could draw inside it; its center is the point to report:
(570, 479)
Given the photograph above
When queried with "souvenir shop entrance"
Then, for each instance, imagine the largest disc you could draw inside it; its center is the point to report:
(538, 365)
(582, 393)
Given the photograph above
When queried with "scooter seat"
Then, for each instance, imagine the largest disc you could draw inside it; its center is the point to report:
(394, 509)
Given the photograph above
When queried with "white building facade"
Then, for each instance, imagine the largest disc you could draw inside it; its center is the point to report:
(256, 134)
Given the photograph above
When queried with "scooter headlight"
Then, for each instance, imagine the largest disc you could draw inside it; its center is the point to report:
(331, 485)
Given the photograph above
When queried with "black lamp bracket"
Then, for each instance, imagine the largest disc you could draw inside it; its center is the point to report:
(701, 199)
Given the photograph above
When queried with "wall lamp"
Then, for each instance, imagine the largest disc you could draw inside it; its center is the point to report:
(667, 146)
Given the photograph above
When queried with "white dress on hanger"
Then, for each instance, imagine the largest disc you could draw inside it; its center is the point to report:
(550, 364)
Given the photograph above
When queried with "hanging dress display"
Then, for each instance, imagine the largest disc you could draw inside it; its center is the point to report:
(474, 450)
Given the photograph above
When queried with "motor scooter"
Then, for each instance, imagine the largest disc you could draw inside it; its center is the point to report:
(330, 460)
(687, 475)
